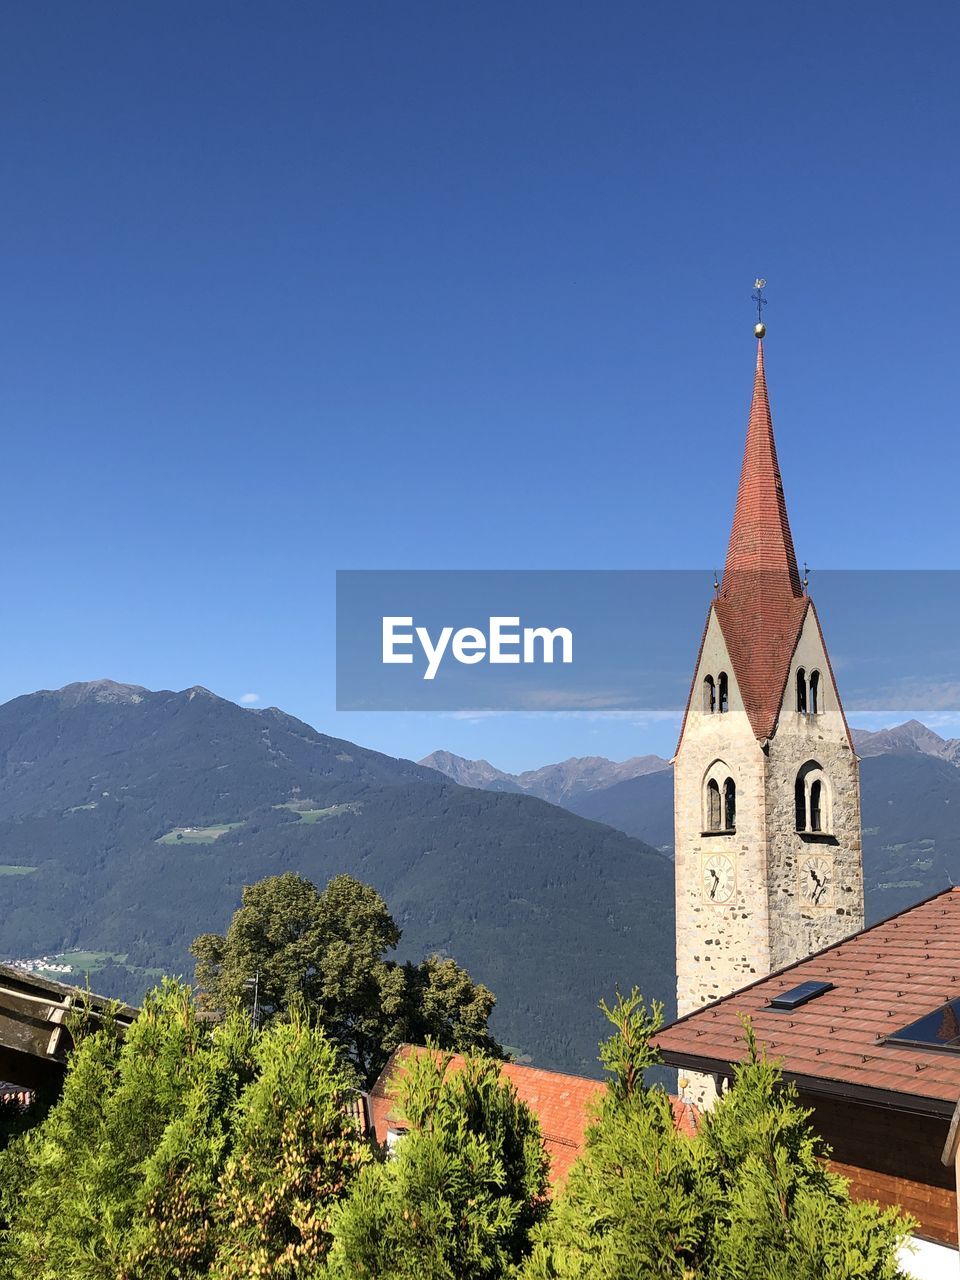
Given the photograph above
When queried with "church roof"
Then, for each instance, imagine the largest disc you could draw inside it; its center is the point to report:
(761, 605)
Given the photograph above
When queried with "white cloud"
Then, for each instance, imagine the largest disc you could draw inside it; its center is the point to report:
(247, 699)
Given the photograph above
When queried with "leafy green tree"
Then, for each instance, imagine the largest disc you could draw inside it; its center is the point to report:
(444, 1006)
(289, 942)
(749, 1198)
(787, 1217)
(463, 1189)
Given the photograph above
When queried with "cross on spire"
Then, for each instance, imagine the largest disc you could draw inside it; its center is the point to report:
(760, 328)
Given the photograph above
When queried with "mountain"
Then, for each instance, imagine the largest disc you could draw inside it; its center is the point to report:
(558, 783)
(911, 829)
(130, 819)
(640, 807)
(472, 773)
(910, 792)
(908, 737)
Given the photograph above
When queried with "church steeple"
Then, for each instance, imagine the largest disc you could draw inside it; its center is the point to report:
(766, 787)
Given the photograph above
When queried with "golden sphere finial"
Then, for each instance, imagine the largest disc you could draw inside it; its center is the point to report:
(760, 330)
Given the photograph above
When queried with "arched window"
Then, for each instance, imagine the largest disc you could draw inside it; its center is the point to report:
(723, 691)
(709, 695)
(713, 805)
(729, 805)
(814, 700)
(802, 691)
(816, 799)
(813, 800)
(719, 799)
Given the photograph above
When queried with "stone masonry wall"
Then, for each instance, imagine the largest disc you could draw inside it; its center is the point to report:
(799, 928)
(767, 923)
(720, 947)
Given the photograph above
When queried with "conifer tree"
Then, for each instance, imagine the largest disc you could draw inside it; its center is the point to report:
(76, 1181)
(184, 1151)
(748, 1198)
(176, 1227)
(296, 1149)
(460, 1194)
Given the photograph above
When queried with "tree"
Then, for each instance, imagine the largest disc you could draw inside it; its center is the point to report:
(296, 1148)
(289, 941)
(175, 1225)
(463, 1189)
(77, 1179)
(748, 1198)
(186, 1151)
(443, 1006)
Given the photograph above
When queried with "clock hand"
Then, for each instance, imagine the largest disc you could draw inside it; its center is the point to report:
(716, 883)
(819, 884)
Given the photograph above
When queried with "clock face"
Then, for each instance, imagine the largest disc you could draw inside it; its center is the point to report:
(718, 878)
(816, 880)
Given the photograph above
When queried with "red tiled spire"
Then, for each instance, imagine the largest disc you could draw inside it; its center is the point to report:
(761, 605)
(760, 540)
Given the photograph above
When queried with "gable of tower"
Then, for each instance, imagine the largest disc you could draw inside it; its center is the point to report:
(715, 680)
(811, 688)
(761, 627)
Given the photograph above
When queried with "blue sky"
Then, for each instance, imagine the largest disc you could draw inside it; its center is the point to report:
(294, 288)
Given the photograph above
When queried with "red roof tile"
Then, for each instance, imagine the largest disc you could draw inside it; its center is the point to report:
(883, 979)
(560, 1102)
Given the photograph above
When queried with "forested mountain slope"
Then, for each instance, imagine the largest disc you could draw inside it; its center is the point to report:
(130, 819)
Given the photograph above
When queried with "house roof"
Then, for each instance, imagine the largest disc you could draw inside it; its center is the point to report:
(883, 979)
(560, 1102)
(34, 1039)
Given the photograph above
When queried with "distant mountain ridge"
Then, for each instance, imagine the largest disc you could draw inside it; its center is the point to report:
(910, 736)
(557, 783)
(131, 818)
(910, 792)
(561, 783)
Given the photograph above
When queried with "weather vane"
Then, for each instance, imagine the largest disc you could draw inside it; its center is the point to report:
(759, 329)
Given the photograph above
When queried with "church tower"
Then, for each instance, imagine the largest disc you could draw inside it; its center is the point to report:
(767, 786)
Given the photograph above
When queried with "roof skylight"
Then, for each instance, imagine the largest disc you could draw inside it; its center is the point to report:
(796, 996)
(937, 1030)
